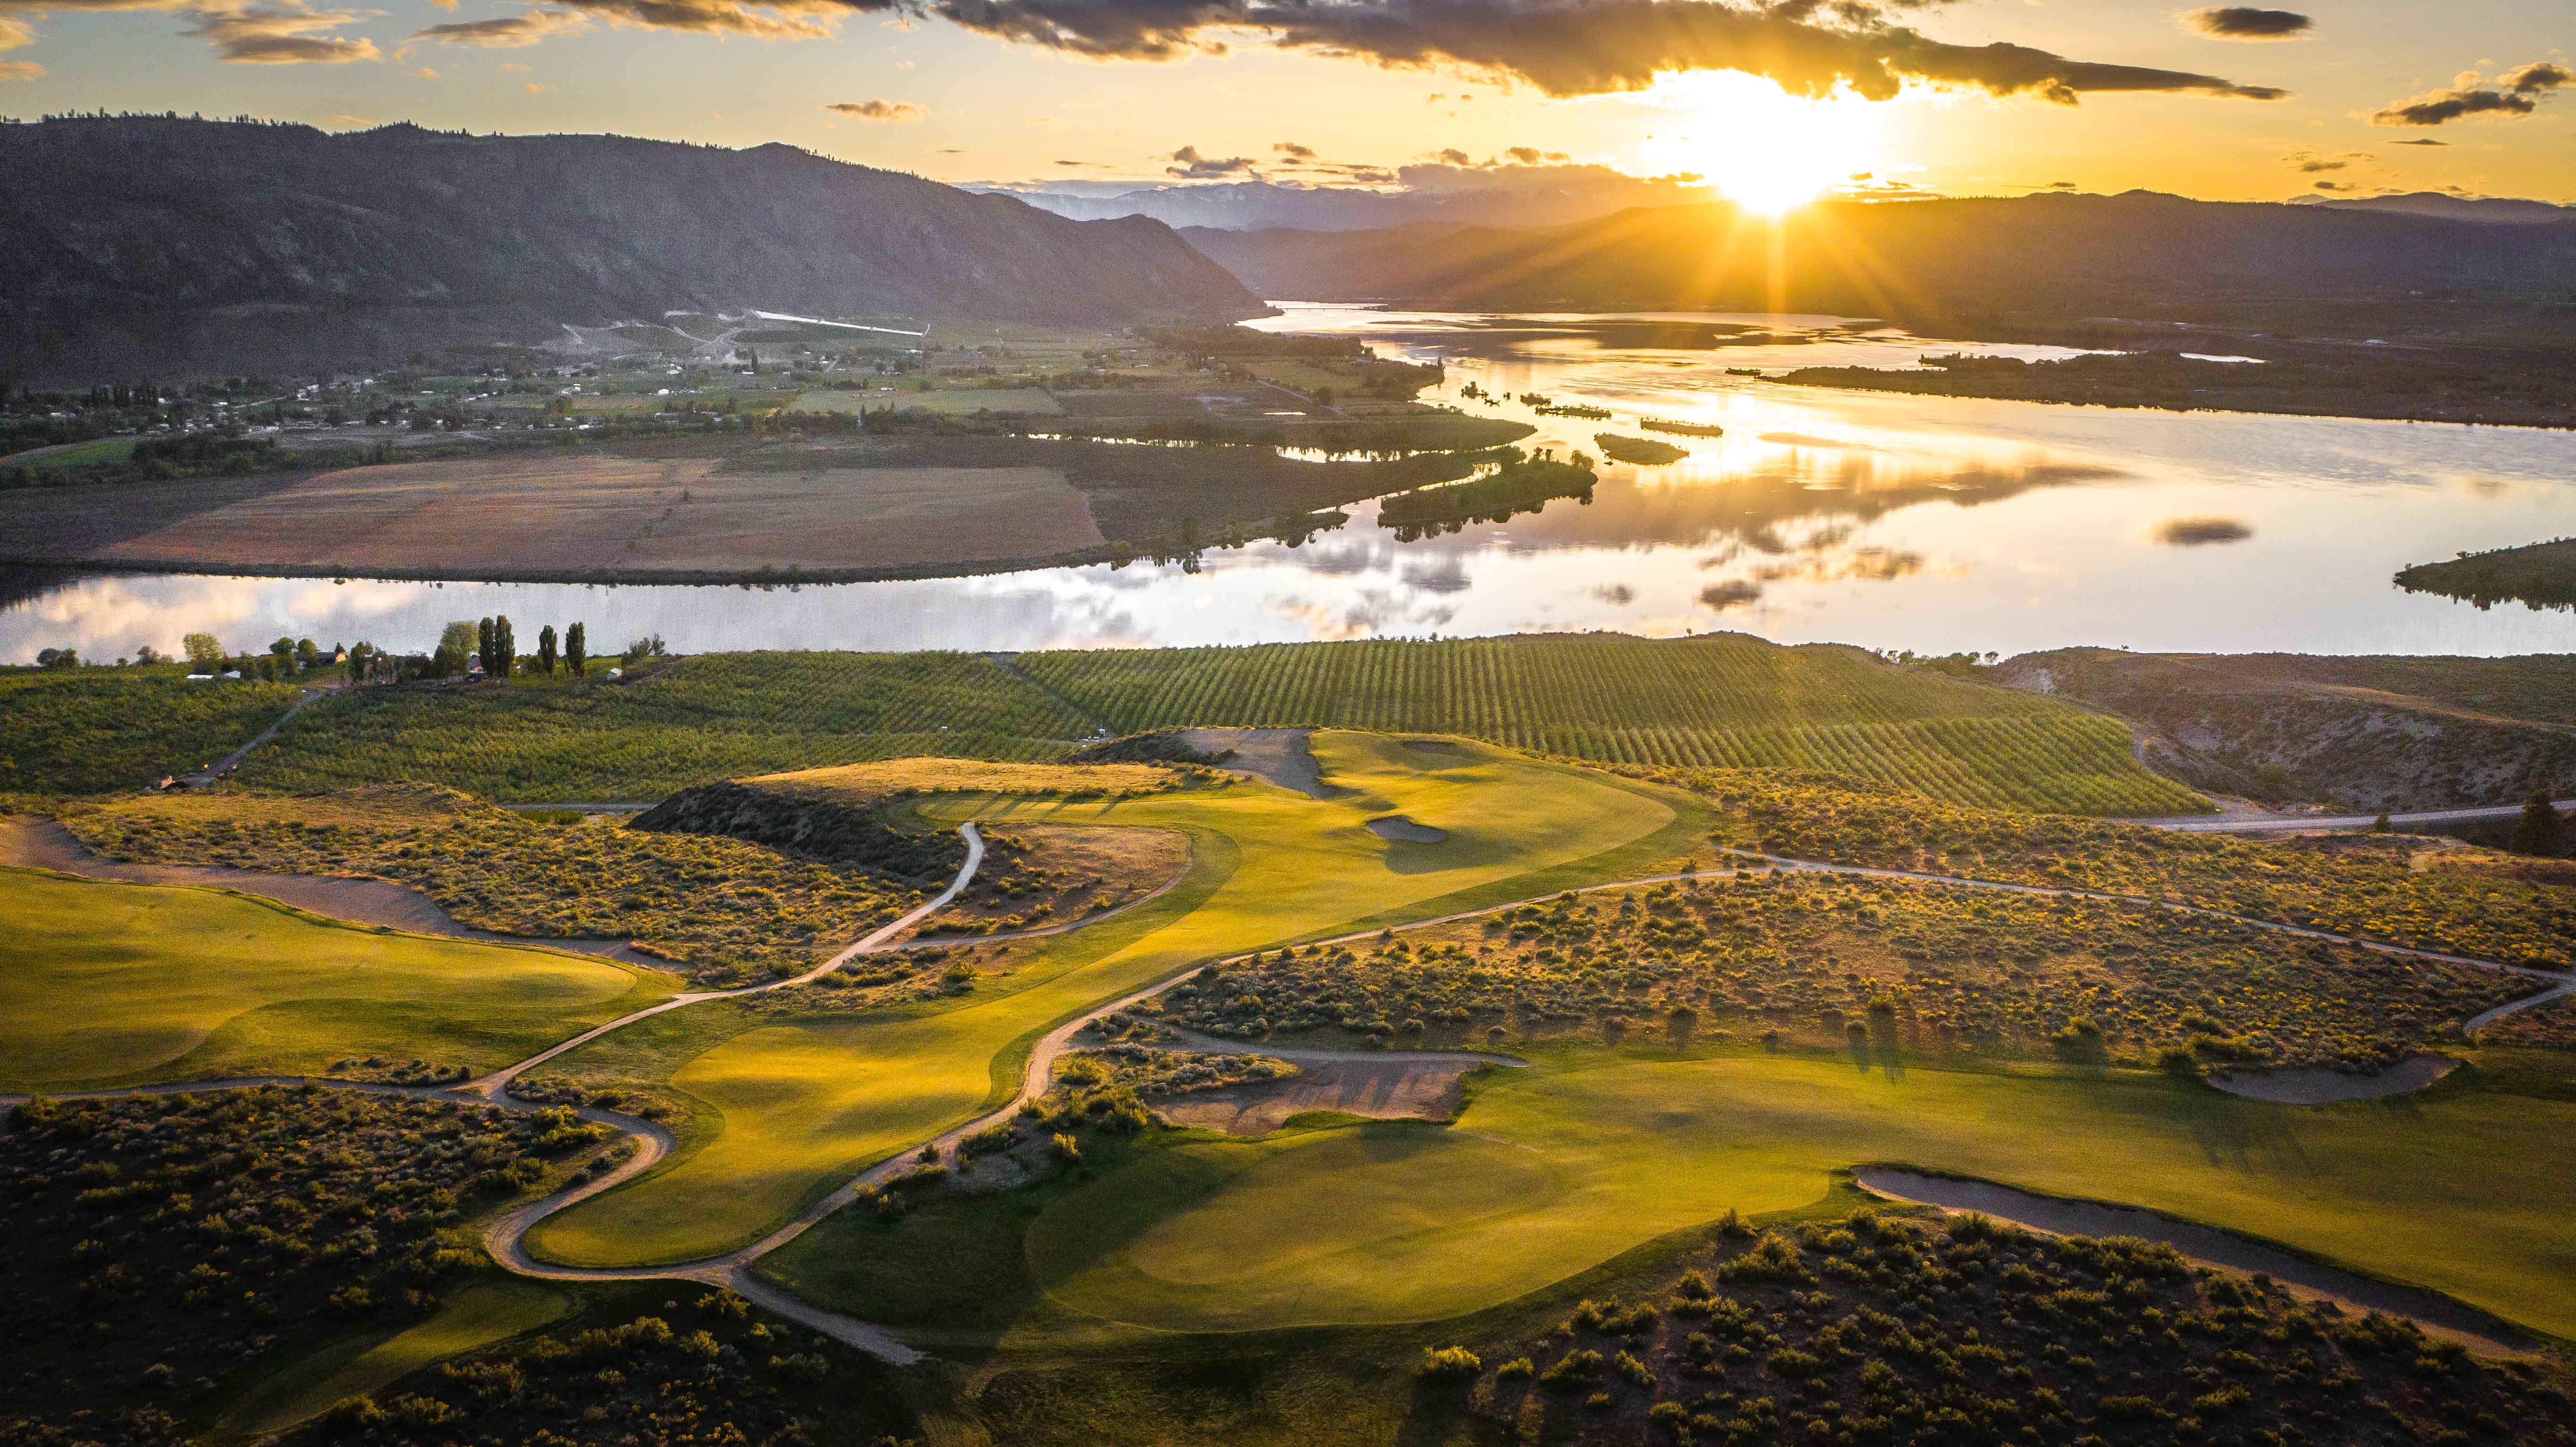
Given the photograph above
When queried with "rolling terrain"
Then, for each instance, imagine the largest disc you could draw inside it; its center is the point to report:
(185, 246)
(2370, 733)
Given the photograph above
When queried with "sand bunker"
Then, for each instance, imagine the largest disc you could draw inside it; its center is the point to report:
(44, 844)
(1278, 756)
(2315, 1085)
(2438, 1314)
(1396, 826)
(1402, 1088)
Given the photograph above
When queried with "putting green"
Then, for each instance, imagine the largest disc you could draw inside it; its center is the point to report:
(114, 984)
(796, 1109)
(2462, 1193)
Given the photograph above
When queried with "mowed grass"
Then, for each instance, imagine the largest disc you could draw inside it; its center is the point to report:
(115, 984)
(472, 1319)
(1553, 1170)
(1724, 701)
(787, 1112)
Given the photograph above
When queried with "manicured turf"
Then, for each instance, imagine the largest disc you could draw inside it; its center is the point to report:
(474, 1318)
(1551, 1171)
(803, 1106)
(111, 984)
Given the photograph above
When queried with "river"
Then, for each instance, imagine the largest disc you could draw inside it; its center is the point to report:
(1935, 524)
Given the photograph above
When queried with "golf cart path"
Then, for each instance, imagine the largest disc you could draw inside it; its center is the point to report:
(505, 1237)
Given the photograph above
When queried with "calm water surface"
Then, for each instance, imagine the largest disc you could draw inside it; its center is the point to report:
(1898, 522)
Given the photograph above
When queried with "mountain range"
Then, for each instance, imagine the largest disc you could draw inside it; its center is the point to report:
(143, 246)
(1466, 195)
(1946, 263)
(2501, 209)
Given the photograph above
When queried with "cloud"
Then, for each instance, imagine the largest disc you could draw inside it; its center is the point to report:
(2536, 77)
(505, 32)
(1294, 151)
(282, 35)
(1735, 593)
(1191, 166)
(2420, 141)
(877, 110)
(772, 20)
(2308, 163)
(14, 33)
(2244, 22)
(1566, 48)
(425, 73)
(2202, 531)
(2514, 93)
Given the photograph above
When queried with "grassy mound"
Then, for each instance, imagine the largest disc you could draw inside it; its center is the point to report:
(726, 909)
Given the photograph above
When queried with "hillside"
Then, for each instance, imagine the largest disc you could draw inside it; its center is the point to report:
(2361, 733)
(1955, 263)
(148, 246)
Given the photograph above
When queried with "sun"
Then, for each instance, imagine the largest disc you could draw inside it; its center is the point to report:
(1763, 149)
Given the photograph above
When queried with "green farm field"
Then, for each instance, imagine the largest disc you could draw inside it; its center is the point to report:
(1724, 701)
(783, 1113)
(115, 984)
(98, 731)
(958, 401)
(1552, 1170)
(716, 717)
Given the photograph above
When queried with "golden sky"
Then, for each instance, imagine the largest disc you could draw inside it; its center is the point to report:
(1771, 100)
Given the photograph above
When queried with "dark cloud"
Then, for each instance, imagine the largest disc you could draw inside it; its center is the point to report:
(2244, 22)
(2536, 77)
(779, 20)
(2202, 531)
(2514, 93)
(877, 110)
(1734, 593)
(2421, 141)
(280, 35)
(1294, 151)
(1189, 165)
(1808, 47)
(2308, 163)
(506, 32)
